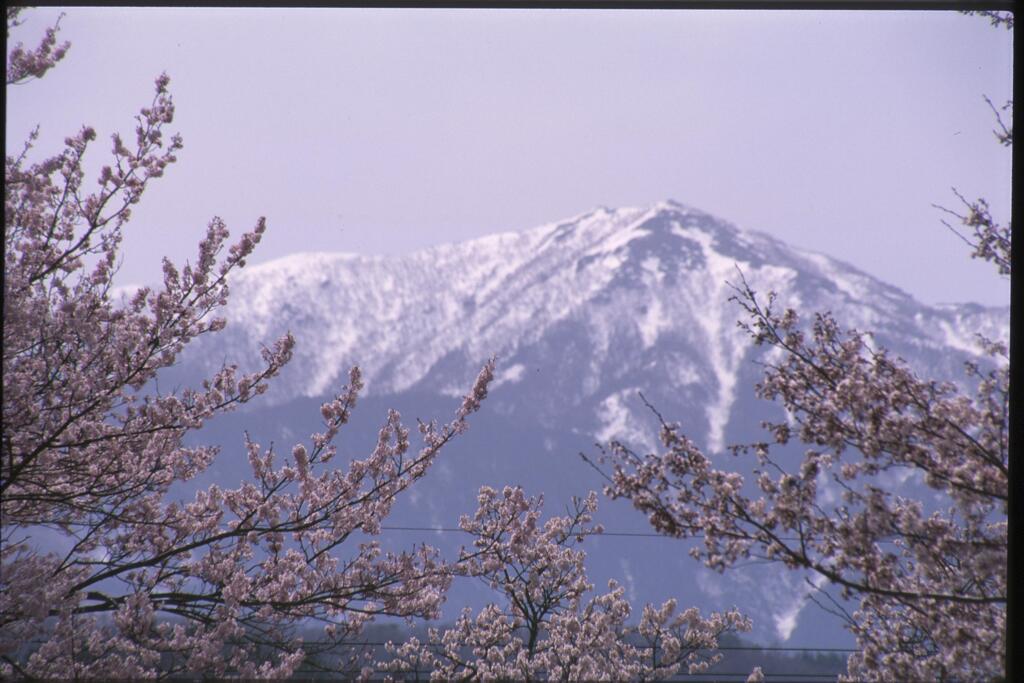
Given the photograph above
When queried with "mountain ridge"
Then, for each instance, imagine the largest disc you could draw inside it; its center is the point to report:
(628, 276)
(582, 314)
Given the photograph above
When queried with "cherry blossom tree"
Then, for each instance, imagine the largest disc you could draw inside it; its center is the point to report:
(543, 625)
(931, 578)
(100, 565)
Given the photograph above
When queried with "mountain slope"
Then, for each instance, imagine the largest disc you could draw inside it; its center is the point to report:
(582, 314)
(639, 295)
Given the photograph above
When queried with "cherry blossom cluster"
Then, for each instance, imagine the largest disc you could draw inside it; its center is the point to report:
(996, 18)
(547, 623)
(141, 583)
(24, 65)
(988, 240)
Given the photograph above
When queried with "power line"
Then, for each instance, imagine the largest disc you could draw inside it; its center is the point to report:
(646, 534)
(639, 534)
(753, 648)
(457, 529)
(702, 677)
(706, 677)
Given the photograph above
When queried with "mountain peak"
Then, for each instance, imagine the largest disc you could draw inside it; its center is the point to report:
(613, 282)
(675, 205)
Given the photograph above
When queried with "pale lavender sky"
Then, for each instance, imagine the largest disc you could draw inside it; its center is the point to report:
(384, 131)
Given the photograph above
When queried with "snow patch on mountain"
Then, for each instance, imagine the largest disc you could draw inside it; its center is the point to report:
(785, 619)
(652, 322)
(726, 346)
(963, 325)
(510, 375)
(856, 286)
(618, 422)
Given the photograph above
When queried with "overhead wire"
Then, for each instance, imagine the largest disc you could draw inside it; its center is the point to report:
(638, 534)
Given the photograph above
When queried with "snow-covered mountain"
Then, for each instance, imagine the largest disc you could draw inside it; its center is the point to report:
(581, 314)
(634, 296)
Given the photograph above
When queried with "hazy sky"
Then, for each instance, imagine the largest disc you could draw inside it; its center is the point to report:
(384, 131)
